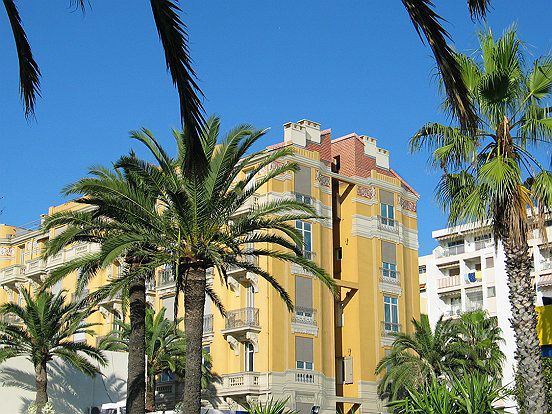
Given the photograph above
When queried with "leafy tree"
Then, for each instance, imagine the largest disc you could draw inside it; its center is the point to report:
(44, 332)
(477, 347)
(468, 394)
(491, 176)
(419, 358)
(154, 215)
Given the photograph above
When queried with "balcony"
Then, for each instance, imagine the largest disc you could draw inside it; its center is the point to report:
(483, 244)
(305, 316)
(454, 250)
(546, 264)
(390, 276)
(448, 282)
(11, 275)
(475, 305)
(452, 313)
(251, 203)
(387, 224)
(36, 269)
(56, 259)
(241, 383)
(297, 269)
(11, 319)
(207, 324)
(79, 297)
(237, 271)
(306, 377)
(242, 320)
(110, 301)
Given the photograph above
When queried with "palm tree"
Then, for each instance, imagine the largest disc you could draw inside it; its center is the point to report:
(174, 38)
(492, 177)
(419, 358)
(478, 345)
(190, 221)
(118, 205)
(165, 348)
(45, 331)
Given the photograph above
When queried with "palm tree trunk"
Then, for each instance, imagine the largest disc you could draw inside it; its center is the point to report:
(136, 382)
(524, 323)
(194, 301)
(41, 378)
(150, 395)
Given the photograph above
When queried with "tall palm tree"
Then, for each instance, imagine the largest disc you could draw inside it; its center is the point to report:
(45, 331)
(192, 225)
(165, 348)
(478, 345)
(174, 38)
(492, 176)
(417, 359)
(117, 205)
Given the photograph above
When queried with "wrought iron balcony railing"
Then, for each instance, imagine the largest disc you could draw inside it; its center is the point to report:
(242, 318)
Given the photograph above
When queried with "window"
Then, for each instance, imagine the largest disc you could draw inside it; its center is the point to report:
(489, 262)
(250, 297)
(387, 215)
(391, 313)
(306, 231)
(455, 305)
(302, 198)
(422, 269)
(491, 292)
(338, 253)
(390, 270)
(304, 353)
(249, 356)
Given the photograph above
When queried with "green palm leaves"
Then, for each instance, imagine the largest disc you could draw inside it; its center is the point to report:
(455, 347)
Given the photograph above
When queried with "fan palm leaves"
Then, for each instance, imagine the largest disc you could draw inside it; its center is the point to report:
(492, 175)
(45, 331)
(157, 215)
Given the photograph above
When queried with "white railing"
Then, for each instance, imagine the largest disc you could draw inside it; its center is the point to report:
(306, 316)
(389, 328)
(13, 272)
(447, 282)
(35, 266)
(453, 312)
(454, 250)
(245, 380)
(483, 244)
(305, 377)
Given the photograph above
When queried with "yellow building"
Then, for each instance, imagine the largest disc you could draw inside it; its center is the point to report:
(325, 353)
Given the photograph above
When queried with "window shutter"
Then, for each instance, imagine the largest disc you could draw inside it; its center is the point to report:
(388, 252)
(348, 370)
(303, 349)
(302, 181)
(168, 303)
(387, 197)
(489, 262)
(303, 292)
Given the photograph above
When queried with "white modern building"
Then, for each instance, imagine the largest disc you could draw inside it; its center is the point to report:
(466, 272)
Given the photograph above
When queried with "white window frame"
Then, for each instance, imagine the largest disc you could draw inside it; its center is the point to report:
(389, 270)
(387, 214)
(304, 365)
(249, 354)
(393, 303)
(305, 228)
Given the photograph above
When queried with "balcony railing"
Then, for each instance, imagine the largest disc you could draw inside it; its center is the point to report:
(388, 224)
(207, 324)
(450, 313)
(254, 260)
(546, 264)
(242, 318)
(447, 282)
(389, 328)
(483, 244)
(475, 305)
(13, 274)
(35, 267)
(390, 276)
(242, 382)
(305, 316)
(454, 250)
(305, 377)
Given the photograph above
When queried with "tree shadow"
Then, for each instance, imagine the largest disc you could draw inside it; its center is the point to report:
(68, 389)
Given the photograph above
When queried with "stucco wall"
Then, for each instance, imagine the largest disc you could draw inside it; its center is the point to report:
(69, 391)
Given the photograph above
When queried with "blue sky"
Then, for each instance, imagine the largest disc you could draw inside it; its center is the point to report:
(353, 66)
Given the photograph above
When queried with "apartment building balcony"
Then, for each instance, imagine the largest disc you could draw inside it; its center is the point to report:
(237, 271)
(251, 203)
(12, 275)
(450, 282)
(36, 269)
(452, 313)
(242, 383)
(242, 320)
(109, 302)
(388, 225)
(56, 260)
(390, 276)
(483, 244)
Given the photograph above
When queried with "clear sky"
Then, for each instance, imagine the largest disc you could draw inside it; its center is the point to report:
(353, 66)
